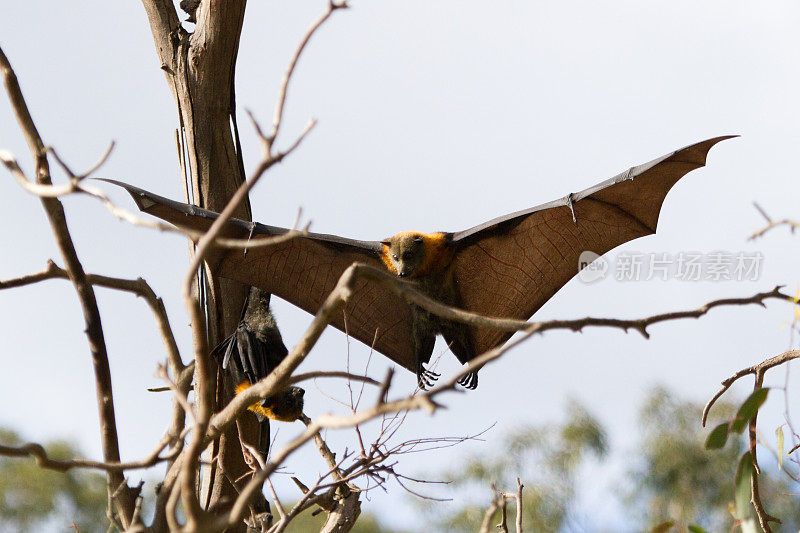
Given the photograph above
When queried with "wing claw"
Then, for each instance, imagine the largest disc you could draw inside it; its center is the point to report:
(250, 236)
(570, 202)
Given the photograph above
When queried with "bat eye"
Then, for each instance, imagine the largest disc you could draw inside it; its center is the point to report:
(394, 256)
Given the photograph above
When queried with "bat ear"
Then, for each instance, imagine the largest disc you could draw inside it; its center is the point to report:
(386, 242)
(418, 238)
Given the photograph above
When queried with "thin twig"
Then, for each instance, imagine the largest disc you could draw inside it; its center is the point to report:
(772, 224)
(793, 226)
(423, 400)
(94, 168)
(761, 367)
(280, 104)
(486, 523)
(331, 374)
(139, 287)
(519, 506)
(764, 518)
(38, 452)
(203, 376)
(277, 379)
(94, 330)
(758, 370)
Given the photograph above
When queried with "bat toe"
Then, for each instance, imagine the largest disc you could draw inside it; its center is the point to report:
(426, 378)
(470, 381)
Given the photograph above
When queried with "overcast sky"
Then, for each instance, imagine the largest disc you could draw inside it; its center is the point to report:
(432, 116)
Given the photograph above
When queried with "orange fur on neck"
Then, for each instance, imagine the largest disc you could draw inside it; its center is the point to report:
(256, 407)
(438, 254)
(259, 409)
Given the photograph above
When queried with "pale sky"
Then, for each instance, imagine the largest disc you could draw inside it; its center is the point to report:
(432, 116)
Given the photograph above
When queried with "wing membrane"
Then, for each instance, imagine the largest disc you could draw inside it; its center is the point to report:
(509, 267)
(302, 271)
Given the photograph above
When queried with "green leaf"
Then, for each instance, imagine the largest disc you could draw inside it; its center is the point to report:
(749, 409)
(742, 495)
(697, 529)
(663, 527)
(779, 435)
(718, 437)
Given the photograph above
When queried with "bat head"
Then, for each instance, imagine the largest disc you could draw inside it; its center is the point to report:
(405, 253)
(286, 406)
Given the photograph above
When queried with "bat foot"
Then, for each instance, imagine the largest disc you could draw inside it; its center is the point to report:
(470, 381)
(426, 378)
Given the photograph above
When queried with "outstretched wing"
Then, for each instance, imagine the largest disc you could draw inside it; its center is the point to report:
(510, 266)
(302, 271)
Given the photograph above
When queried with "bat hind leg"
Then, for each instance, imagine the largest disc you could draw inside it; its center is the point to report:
(470, 381)
(423, 338)
(426, 378)
(460, 341)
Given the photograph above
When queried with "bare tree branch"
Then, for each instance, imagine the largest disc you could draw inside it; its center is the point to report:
(277, 379)
(75, 186)
(40, 190)
(772, 224)
(331, 374)
(793, 226)
(486, 524)
(424, 400)
(203, 376)
(519, 506)
(94, 168)
(280, 104)
(94, 329)
(756, 370)
(38, 452)
(164, 23)
(138, 287)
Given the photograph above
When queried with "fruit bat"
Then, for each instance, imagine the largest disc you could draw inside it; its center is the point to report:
(254, 350)
(249, 354)
(507, 267)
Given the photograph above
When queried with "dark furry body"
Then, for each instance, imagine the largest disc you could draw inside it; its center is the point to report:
(425, 327)
(426, 259)
(251, 353)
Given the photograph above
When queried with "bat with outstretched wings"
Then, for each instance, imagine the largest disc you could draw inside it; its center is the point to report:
(507, 267)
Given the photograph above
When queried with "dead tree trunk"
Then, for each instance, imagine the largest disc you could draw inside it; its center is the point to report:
(199, 69)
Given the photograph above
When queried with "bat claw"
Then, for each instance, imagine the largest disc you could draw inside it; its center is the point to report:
(470, 381)
(426, 378)
(570, 202)
(250, 235)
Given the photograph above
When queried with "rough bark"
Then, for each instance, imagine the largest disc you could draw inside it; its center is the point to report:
(199, 69)
(344, 516)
